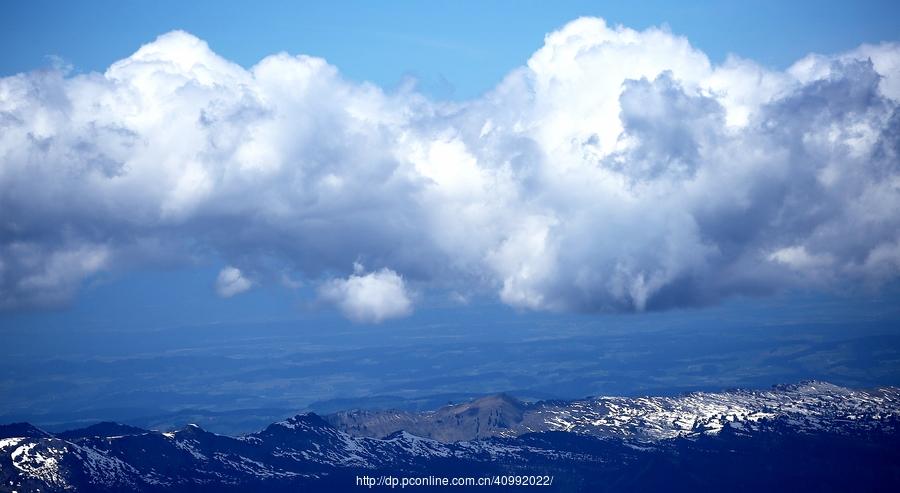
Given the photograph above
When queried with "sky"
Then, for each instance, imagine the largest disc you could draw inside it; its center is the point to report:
(165, 163)
(458, 49)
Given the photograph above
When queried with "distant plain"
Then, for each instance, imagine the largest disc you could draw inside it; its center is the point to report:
(236, 377)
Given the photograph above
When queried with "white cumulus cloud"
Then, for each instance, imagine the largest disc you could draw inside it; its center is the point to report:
(369, 297)
(231, 281)
(615, 170)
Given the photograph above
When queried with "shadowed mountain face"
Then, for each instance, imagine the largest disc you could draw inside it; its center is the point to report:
(811, 436)
(104, 429)
(485, 417)
(22, 430)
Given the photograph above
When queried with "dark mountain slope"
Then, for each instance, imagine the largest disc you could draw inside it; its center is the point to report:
(812, 436)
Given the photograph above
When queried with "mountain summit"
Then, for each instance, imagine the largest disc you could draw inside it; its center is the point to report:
(698, 441)
(484, 417)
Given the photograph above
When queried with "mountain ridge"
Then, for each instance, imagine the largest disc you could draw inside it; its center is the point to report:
(588, 443)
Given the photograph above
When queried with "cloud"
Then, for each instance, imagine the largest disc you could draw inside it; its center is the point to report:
(369, 298)
(39, 276)
(230, 282)
(615, 170)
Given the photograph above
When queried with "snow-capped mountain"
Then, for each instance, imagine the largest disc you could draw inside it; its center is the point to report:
(811, 434)
(808, 406)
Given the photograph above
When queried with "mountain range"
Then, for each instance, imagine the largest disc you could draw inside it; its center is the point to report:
(799, 437)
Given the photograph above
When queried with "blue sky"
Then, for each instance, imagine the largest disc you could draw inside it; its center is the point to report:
(456, 51)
